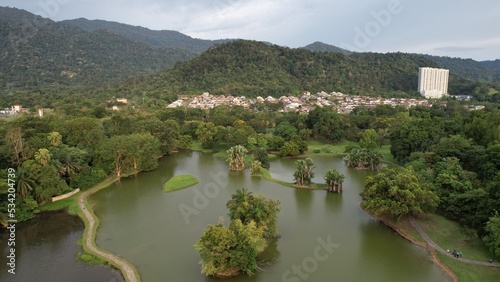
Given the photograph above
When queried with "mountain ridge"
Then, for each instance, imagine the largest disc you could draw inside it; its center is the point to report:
(159, 38)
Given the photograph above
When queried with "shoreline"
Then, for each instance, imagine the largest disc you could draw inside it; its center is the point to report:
(91, 221)
(434, 257)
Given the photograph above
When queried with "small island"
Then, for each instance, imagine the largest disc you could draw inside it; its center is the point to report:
(179, 182)
(228, 251)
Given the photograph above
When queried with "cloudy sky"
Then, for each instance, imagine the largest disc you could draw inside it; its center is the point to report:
(455, 28)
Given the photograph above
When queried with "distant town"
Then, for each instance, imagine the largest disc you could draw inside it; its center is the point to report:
(343, 103)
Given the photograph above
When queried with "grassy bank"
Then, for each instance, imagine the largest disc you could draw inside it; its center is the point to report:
(450, 235)
(323, 148)
(265, 174)
(179, 182)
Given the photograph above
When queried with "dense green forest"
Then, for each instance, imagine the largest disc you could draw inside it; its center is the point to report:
(158, 38)
(41, 54)
(57, 65)
(454, 151)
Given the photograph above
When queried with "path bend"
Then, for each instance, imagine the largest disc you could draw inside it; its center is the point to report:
(436, 247)
(128, 271)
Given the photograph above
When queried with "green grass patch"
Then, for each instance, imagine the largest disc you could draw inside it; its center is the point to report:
(323, 148)
(90, 259)
(179, 182)
(264, 173)
(220, 154)
(470, 272)
(59, 205)
(196, 146)
(385, 151)
(450, 235)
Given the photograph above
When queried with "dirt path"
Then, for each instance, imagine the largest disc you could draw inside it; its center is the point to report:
(128, 271)
(433, 245)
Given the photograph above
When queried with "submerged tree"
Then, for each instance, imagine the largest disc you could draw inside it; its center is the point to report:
(334, 180)
(260, 154)
(226, 251)
(304, 173)
(236, 157)
(256, 166)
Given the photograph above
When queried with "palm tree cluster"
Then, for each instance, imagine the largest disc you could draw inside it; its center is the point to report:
(362, 158)
(304, 173)
(334, 180)
(236, 157)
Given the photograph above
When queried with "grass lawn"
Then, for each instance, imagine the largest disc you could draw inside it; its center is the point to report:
(196, 146)
(450, 235)
(179, 182)
(385, 150)
(69, 203)
(322, 148)
(470, 272)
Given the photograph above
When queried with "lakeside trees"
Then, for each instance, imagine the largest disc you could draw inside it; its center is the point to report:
(469, 136)
(398, 191)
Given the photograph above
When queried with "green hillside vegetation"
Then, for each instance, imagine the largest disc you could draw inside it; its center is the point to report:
(253, 68)
(158, 38)
(322, 47)
(38, 53)
(468, 68)
(180, 182)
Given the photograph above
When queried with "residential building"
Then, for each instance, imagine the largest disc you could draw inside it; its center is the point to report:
(432, 82)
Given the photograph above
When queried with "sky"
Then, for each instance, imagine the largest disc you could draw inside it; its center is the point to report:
(454, 28)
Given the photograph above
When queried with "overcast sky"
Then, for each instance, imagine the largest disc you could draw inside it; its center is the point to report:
(455, 28)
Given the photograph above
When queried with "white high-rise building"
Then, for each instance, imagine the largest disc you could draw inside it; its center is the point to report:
(433, 83)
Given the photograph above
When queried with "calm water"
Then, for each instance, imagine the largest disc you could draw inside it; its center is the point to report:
(156, 231)
(46, 250)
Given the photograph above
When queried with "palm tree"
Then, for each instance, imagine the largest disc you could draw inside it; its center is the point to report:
(256, 166)
(304, 173)
(42, 156)
(236, 157)
(25, 184)
(240, 204)
(55, 138)
(334, 180)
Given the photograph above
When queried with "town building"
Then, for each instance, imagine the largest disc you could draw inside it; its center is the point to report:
(432, 82)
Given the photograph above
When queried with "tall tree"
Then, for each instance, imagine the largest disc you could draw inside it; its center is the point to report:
(43, 156)
(236, 157)
(18, 148)
(304, 173)
(369, 139)
(334, 180)
(398, 191)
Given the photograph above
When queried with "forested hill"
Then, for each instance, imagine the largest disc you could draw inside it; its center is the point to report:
(481, 71)
(158, 38)
(37, 51)
(484, 71)
(253, 68)
(323, 47)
